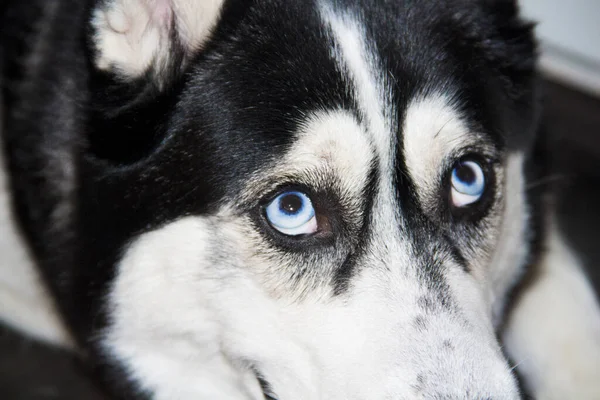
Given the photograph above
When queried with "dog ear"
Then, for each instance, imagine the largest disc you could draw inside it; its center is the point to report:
(507, 9)
(150, 38)
(513, 44)
(505, 39)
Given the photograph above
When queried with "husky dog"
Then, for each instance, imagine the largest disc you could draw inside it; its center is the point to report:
(292, 200)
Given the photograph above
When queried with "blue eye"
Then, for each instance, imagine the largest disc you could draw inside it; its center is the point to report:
(292, 213)
(468, 183)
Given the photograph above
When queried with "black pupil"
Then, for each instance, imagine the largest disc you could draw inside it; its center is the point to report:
(290, 204)
(465, 173)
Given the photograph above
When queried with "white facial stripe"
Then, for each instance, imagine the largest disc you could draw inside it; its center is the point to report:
(372, 94)
(369, 89)
(432, 131)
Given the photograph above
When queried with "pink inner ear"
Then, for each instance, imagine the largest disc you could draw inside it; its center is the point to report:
(161, 11)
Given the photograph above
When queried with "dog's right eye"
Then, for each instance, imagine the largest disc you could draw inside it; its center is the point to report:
(292, 213)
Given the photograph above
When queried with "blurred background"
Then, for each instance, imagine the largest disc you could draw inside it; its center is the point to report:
(570, 40)
(570, 36)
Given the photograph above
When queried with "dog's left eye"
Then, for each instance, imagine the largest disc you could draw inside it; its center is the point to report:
(468, 183)
(292, 213)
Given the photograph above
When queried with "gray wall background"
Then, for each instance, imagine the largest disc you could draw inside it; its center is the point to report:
(569, 31)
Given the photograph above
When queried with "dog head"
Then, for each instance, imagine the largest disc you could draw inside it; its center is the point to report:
(314, 200)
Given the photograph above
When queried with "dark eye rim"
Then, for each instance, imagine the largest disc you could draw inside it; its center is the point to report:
(328, 221)
(477, 210)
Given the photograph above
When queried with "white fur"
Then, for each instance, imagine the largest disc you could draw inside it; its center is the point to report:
(370, 87)
(512, 249)
(188, 322)
(353, 54)
(24, 300)
(326, 146)
(132, 36)
(330, 141)
(554, 333)
(433, 130)
(434, 137)
(167, 325)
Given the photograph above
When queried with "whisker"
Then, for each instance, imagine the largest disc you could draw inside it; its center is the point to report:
(442, 128)
(519, 363)
(545, 181)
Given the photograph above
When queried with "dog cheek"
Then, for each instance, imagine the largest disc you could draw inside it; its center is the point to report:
(168, 315)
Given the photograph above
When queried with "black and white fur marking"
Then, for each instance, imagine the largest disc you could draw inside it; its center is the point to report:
(142, 140)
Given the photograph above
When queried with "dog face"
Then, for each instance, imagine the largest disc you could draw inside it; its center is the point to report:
(326, 199)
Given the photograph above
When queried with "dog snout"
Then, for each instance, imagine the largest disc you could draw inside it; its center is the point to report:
(430, 359)
(453, 362)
